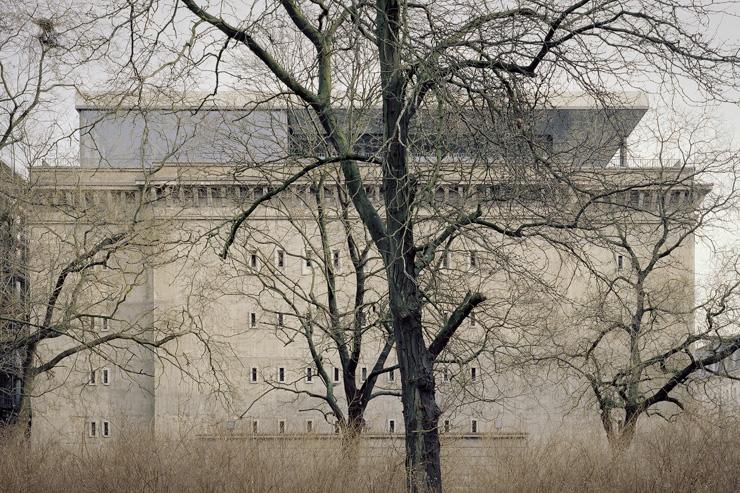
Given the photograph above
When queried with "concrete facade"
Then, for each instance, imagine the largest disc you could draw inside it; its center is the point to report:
(171, 181)
(13, 287)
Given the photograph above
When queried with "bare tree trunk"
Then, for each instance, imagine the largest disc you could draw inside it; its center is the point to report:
(421, 413)
(620, 436)
(351, 438)
(420, 410)
(24, 416)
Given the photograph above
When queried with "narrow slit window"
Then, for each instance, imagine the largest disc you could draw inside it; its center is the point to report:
(620, 262)
(308, 262)
(336, 257)
(309, 426)
(92, 429)
(202, 196)
(445, 259)
(474, 426)
(363, 373)
(392, 376)
(445, 375)
(473, 260)
(104, 325)
(253, 259)
(255, 427)
(92, 378)
(253, 375)
(474, 374)
(309, 375)
(252, 320)
(280, 258)
(281, 375)
(106, 429)
(391, 426)
(281, 320)
(336, 375)
(105, 376)
(447, 426)
(281, 426)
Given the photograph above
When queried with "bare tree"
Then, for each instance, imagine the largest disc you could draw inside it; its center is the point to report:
(510, 57)
(637, 334)
(319, 287)
(91, 253)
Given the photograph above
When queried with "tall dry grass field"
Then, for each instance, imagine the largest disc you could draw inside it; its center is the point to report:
(678, 457)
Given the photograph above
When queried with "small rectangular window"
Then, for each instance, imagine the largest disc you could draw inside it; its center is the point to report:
(391, 426)
(474, 374)
(253, 375)
(281, 375)
(620, 262)
(92, 377)
(634, 199)
(473, 260)
(280, 320)
(92, 429)
(252, 320)
(281, 426)
(474, 426)
(105, 376)
(336, 375)
(445, 259)
(218, 194)
(392, 376)
(255, 427)
(472, 319)
(309, 375)
(309, 426)
(104, 325)
(445, 375)
(279, 258)
(106, 429)
(675, 197)
(254, 261)
(447, 426)
(202, 196)
(308, 262)
(363, 374)
(336, 259)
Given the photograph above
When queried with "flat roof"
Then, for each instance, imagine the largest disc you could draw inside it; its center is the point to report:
(244, 100)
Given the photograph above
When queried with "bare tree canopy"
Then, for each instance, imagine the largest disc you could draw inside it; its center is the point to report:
(446, 126)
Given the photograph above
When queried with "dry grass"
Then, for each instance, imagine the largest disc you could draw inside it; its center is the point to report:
(675, 458)
(679, 457)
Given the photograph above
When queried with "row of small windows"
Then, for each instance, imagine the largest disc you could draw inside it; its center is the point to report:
(253, 320)
(336, 375)
(99, 428)
(204, 195)
(101, 375)
(651, 200)
(93, 323)
(102, 428)
(89, 198)
(391, 426)
(472, 260)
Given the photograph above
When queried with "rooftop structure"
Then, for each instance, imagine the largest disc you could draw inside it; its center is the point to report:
(171, 177)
